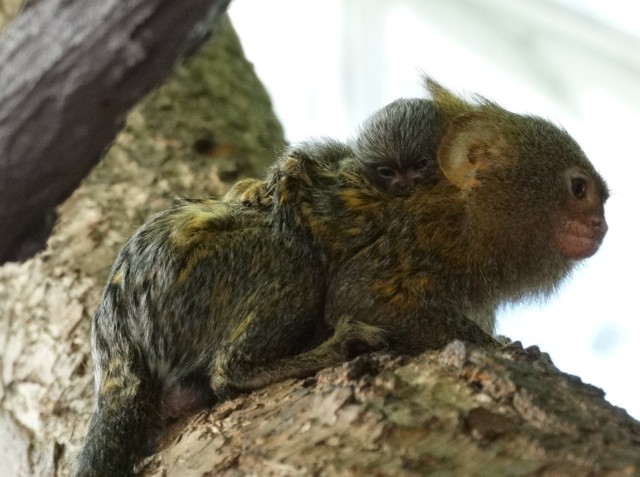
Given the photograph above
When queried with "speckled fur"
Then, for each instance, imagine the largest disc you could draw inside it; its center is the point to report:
(279, 279)
(461, 244)
(192, 311)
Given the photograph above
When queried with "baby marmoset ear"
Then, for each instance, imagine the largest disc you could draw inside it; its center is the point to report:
(473, 142)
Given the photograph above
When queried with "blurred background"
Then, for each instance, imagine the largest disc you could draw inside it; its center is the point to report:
(328, 64)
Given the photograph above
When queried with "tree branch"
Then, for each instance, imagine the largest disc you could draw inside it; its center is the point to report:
(70, 72)
(464, 410)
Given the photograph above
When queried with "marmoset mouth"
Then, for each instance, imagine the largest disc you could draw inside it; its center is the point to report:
(579, 240)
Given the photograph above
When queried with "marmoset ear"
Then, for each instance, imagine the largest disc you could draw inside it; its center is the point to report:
(473, 142)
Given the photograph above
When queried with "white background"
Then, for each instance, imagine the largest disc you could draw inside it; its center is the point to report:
(328, 64)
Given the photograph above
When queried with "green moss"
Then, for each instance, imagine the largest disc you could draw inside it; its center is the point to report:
(215, 109)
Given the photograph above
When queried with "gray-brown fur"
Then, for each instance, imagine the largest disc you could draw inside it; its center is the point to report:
(500, 223)
(212, 297)
(396, 147)
(191, 311)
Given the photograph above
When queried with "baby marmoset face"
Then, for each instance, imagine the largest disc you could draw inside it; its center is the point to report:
(401, 177)
(397, 145)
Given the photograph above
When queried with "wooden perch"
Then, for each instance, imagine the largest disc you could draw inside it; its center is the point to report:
(70, 72)
(462, 411)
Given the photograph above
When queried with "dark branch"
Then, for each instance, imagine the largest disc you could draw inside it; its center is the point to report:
(70, 72)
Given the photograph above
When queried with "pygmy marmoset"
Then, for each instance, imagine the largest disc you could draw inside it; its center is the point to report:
(396, 147)
(215, 297)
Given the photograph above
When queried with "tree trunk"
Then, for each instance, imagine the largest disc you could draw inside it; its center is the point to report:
(212, 118)
(71, 70)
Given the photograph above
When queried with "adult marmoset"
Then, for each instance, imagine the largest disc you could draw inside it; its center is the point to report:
(204, 301)
(215, 297)
(512, 207)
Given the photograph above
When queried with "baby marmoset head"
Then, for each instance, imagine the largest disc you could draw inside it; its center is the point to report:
(397, 145)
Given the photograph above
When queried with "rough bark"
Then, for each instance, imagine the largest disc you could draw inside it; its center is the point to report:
(70, 72)
(462, 411)
(212, 116)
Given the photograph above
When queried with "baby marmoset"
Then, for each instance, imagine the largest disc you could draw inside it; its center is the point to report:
(396, 147)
